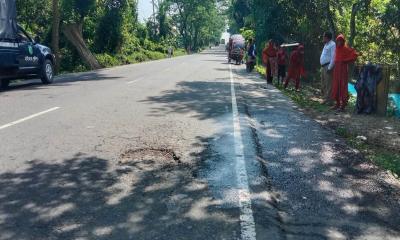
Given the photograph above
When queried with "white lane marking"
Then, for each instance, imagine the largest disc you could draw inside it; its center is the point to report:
(131, 82)
(136, 80)
(28, 118)
(248, 227)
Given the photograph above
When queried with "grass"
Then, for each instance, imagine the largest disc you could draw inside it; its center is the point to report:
(384, 158)
(381, 157)
(107, 60)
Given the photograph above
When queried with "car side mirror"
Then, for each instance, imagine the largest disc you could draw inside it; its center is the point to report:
(37, 40)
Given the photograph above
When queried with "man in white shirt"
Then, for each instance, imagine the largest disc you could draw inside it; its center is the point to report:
(327, 63)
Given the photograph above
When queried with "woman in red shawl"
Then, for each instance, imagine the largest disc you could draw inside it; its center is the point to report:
(296, 67)
(344, 56)
(269, 59)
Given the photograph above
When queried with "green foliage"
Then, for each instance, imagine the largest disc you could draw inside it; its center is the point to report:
(198, 23)
(179, 52)
(110, 29)
(240, 15)
(34, 16)
(77, 10)
(248, 33)
(376, 25)
(154, 55)
(106, 60)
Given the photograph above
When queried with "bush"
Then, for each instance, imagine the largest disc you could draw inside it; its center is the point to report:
(107, 60)
(153, 55)
(179, 52)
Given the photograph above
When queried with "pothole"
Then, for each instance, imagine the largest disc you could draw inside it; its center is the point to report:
(150, 156)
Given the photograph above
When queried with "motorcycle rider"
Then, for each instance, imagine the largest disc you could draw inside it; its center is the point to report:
(251, 56)
(251, 51)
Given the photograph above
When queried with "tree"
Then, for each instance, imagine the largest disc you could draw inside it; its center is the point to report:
(198, 22)
(355, 9)
(55, 39)
(75, 12)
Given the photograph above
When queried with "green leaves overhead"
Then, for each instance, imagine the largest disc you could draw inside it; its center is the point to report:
(77, 10)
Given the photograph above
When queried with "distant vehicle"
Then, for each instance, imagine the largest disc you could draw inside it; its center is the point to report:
(20, 56)
(222, 42)
(236, 47)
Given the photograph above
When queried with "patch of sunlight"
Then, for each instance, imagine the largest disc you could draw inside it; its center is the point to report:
(338, 194)
(161, 186)
(334, 233)
(351, 209)
(54, 212)
(299, 152)
(325, 186)
(200, 211)
(121, 189)
(377, 232)
(273, 133)
(69, 227)
(135, 221)
(103, 231)
(327, 154)
(195, 186)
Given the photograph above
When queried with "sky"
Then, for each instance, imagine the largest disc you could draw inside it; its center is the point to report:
(145, 9)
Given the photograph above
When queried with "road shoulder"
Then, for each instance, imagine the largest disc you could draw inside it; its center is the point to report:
(325, 188)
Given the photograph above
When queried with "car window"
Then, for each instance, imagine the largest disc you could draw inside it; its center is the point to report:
(22, 37)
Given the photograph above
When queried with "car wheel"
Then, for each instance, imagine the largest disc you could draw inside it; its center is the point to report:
(47, 73)
(4, 84)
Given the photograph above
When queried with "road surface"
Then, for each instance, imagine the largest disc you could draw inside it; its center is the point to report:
(182, 148)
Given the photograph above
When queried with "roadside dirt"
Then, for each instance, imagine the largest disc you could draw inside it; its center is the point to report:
(382, 132)
(378, 131)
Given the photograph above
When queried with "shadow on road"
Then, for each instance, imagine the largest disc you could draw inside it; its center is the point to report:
(86, 198)
(324, 189)
(205, 99)
(62, 80)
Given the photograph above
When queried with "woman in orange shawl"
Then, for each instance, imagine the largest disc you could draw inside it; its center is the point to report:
(344, 56)
(296, 67)
(269, 55)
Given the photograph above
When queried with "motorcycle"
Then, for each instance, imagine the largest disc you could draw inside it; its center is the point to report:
(250, 64)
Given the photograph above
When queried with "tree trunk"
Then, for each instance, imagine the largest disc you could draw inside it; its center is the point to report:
(329, 17)
(353, 31)
(73, 32)
(358, 6)
(55, 36)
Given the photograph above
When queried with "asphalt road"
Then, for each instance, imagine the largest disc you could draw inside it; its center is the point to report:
(182, 148)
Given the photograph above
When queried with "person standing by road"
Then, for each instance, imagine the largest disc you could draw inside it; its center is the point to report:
(170, 52)
(296, 67)
(269, 59)
(281, 64)
(251, 50)
(327, 61)
(344, 55)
